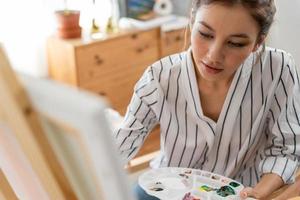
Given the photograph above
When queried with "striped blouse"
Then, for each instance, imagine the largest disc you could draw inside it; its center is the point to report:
(257, 132)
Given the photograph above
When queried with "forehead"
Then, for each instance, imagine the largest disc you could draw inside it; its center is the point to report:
(227, 19)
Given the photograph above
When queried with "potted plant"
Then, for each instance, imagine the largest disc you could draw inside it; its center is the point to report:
(68, 22)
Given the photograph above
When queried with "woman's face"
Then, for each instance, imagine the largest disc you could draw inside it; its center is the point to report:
(222, 37)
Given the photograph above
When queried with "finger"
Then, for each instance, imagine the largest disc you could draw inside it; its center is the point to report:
(247, 192)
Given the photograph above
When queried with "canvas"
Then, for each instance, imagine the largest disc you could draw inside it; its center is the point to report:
(64, 135)
(76, 125)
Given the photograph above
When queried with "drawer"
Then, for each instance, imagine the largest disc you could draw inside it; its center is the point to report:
(106, 59)
(118, 95)
(173, 42)
(118, 87)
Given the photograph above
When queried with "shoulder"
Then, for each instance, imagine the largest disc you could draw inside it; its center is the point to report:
(277, 60)
(158, 74)
(278, 57)
(171, 62)
(280, 66)
(163, 69)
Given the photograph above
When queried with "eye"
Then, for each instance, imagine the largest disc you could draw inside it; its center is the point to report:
(206, 35)
(236, 44)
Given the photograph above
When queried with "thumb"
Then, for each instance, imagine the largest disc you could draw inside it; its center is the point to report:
(247, 192)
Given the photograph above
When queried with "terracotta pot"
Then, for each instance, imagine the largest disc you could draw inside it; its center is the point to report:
(69, 33)
(68, 23)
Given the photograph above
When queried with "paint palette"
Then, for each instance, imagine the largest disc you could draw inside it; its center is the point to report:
(188, 184)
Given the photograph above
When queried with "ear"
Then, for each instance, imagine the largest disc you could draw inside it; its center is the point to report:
(259, 43)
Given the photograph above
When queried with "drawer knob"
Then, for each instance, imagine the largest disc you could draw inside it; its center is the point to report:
(102, 93)
(98, 60)
(134, 36)
(141, 49)
(178, 38)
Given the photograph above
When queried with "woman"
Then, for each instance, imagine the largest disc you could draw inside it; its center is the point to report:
(226, 105)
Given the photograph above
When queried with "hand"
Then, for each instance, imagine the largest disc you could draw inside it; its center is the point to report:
(266, 186)
(249, 192)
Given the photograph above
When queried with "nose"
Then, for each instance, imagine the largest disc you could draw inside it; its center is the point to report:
(215, 53)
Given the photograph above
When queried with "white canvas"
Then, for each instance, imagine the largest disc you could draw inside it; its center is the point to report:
(83, 141)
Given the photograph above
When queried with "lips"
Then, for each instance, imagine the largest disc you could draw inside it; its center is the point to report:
(211, 69)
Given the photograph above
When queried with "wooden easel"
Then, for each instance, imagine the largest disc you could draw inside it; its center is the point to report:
(17, 112)
(6, 191)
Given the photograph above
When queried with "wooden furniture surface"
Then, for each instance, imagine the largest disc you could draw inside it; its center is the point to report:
(174, 41)
(109, 67)
(112, 65)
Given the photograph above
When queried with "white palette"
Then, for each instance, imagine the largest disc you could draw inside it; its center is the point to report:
(188, 184)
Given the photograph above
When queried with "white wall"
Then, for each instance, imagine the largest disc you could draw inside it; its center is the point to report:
(25, 26)
(285, 33)
(182, 7)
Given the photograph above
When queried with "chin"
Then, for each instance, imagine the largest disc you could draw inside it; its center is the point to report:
(210, 77)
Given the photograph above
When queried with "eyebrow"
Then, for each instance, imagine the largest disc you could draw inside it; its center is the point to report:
(241, 35)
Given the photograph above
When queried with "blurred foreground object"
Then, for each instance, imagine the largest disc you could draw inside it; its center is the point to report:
(59, 137)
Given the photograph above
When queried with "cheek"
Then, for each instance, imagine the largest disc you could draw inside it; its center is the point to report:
(199, 48)
(236, 59)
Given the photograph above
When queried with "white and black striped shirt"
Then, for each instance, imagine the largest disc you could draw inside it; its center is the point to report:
(258, 130)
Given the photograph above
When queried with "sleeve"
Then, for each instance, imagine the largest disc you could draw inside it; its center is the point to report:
(139, 119)
(283, 149)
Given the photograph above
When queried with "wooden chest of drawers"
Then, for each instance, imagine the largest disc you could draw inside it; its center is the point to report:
(109, 67)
